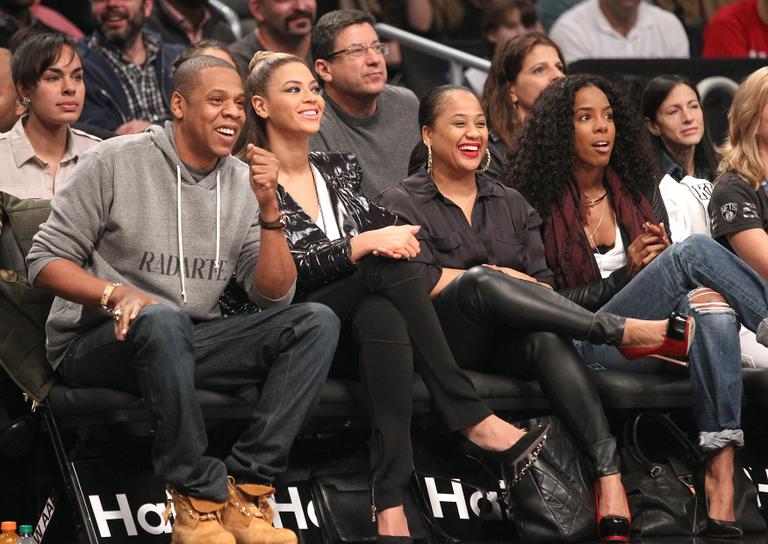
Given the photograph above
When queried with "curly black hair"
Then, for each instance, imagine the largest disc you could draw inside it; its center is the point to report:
(540, 164)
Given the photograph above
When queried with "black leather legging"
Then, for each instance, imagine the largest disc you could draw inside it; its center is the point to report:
(529, 328)
(385, 309)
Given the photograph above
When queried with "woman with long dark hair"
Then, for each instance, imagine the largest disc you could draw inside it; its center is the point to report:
(584, 164)
(674, 120)
(521, 68)
(671, 108)
(41, 150)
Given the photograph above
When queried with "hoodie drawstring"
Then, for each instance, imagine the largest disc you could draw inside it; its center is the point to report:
(217, 264)
(181, 239)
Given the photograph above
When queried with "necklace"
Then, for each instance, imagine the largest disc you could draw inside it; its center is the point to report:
(590, 202)
(591, 235)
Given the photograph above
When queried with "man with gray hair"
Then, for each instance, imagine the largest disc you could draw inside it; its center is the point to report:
(365, 116)
(138, 252)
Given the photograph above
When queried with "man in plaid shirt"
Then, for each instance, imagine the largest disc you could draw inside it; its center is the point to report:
(127, 69)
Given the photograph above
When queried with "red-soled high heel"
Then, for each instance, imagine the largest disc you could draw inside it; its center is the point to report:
(612, 528)
(674, 348)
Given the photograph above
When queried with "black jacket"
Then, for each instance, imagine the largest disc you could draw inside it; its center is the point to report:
(319, 260)
(106, 104)
(596, 293)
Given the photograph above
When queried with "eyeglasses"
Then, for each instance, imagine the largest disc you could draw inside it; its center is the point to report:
(357, 50)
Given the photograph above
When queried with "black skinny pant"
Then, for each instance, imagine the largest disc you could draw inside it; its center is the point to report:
(382, 327)
(502, 324)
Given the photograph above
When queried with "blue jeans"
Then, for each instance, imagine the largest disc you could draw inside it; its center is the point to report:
(715, 356)
(286, 352)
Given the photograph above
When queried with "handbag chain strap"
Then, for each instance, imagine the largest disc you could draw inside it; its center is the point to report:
(526, 467)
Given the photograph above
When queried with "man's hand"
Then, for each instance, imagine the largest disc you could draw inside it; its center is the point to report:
(395, 242)
(264, 169)
(132, 127)
(125, 304)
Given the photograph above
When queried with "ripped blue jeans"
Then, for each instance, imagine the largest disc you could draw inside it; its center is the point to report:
(669, 283)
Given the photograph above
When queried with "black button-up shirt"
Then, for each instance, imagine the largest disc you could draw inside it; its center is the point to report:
(504, 229)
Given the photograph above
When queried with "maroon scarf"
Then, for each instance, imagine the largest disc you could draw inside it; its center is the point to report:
(568, 252)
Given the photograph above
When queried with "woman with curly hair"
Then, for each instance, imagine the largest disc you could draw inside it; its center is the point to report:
(520, 70)
(584, 163)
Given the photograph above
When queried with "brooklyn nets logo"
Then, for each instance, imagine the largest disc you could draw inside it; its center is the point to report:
(728, 211)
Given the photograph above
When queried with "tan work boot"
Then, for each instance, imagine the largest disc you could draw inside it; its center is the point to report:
(197, 521)
(249, 517)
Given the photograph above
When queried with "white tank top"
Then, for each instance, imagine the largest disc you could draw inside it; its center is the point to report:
(614, 258)
(326, 219)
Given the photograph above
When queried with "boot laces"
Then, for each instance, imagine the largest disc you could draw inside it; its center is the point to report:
(258, 509)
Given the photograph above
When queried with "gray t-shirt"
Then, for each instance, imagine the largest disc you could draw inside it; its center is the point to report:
(382, 142)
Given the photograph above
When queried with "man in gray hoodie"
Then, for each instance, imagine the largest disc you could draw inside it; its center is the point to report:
(138, 249)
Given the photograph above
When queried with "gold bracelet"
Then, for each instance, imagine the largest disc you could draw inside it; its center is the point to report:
(108, 293)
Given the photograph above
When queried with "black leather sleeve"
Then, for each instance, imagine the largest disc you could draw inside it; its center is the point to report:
(322, 262)
(595, 294)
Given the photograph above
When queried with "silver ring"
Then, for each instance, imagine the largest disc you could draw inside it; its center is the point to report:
(117, 312)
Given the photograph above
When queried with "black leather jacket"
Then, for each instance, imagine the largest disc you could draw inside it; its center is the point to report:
(595, 294)
(319, 260)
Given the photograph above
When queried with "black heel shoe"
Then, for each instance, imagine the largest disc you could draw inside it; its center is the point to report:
(389, 539)
(526, 444)
(612, 528)
(718, 528)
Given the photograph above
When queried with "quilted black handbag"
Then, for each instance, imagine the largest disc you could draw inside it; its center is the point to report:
(554, 500)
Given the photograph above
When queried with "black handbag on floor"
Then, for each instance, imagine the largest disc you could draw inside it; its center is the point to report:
(343, 505)
(662, 493)
(554, 501)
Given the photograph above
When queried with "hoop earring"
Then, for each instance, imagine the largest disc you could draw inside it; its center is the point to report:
(486, 162)
(429, 161)
(26, 101)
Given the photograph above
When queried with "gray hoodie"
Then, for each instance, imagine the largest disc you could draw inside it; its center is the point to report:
(130, 211)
